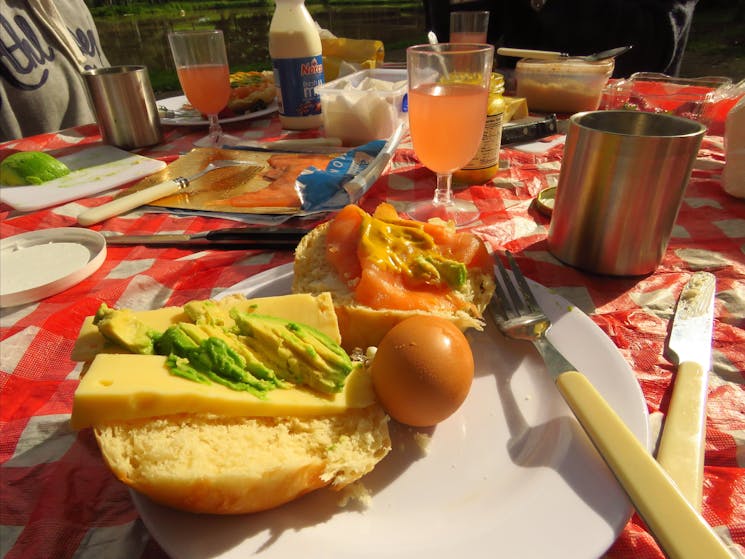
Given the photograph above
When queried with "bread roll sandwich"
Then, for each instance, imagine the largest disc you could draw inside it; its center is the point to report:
(250, 92)
(228, 407)
(381, 269)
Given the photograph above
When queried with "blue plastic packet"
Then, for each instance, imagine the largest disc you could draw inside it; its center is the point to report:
(323, 190)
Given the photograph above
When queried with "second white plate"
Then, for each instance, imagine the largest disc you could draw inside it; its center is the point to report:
(39, 264)
(511, 474)
(193, 118)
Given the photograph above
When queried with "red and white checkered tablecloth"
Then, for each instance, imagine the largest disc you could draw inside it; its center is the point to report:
(58, 499)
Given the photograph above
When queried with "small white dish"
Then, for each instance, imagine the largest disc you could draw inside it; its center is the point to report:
(39, 264)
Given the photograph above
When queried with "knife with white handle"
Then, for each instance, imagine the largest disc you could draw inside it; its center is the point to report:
(681, 450)
(322, 145)
(232, 237)
(530, 53)
(551, 55)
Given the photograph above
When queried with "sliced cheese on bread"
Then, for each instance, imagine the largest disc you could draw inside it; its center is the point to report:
(123, 387)
(206, 448)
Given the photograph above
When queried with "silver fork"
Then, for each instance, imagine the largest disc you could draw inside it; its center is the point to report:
(679, 529)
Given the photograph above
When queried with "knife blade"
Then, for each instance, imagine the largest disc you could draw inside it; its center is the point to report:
(293, 145)
(681, 449)
(231, 237)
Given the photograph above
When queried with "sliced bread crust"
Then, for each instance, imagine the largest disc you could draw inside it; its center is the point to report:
(217, 465)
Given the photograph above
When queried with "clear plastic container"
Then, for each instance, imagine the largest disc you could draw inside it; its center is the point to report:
(363, 106)
(562, 85)
(651, 92)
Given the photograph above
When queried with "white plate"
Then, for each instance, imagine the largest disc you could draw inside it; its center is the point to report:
(511, 474)
(94, 169)
(39, 264)
(193, 118)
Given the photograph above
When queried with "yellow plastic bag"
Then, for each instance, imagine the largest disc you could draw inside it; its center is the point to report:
(362, 54)
(515, 108)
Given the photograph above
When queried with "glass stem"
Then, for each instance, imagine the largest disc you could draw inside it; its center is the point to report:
(215, 132)
(443, 192)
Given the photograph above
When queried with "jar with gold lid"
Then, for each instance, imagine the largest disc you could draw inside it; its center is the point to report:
(485, 164)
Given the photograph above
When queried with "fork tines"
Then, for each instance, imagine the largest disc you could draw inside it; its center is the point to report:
(514, 305)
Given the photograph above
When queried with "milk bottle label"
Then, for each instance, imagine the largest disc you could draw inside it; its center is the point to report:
(297, 79)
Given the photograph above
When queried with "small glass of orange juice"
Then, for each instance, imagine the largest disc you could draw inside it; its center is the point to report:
(448, 92)
(202, 66)
(469, 26)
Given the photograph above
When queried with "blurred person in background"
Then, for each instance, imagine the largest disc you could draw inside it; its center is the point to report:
(44, 45)
(657, 29)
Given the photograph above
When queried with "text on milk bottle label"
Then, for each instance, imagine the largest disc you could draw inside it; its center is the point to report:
(297, 79)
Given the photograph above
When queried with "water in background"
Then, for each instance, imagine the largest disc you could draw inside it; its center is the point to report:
(133, 40)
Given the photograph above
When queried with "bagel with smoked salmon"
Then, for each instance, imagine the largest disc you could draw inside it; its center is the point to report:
(381, 269)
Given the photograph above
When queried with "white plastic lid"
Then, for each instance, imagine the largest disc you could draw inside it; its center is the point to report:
(38, 264)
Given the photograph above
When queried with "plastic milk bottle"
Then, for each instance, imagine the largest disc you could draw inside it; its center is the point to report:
(295, 49)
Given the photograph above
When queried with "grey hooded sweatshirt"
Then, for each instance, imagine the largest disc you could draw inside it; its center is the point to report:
(44, 45)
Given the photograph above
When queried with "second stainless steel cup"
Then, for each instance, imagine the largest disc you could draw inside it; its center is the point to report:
(622, 181)
(124, 104)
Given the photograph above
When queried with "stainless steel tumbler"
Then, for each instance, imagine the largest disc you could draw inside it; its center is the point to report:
(622, 181)
(125, 108)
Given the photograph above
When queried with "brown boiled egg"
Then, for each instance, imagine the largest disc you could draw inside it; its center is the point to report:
(422, 370)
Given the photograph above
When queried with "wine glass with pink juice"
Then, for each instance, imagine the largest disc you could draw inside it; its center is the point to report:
(448, 94)
(469, 26)
(202, 67)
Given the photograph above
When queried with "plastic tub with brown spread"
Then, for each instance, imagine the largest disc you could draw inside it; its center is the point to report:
(562, 85)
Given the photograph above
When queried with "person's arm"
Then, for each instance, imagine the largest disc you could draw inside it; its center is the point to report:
(657, 29)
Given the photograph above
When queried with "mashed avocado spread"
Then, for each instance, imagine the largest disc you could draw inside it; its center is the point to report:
(250, 352)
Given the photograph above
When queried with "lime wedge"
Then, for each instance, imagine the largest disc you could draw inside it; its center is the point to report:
(30, 167)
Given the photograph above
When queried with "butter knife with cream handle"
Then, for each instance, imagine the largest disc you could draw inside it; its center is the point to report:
(139, 198)
(681, 449)
(142, 197)
(553, 55)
